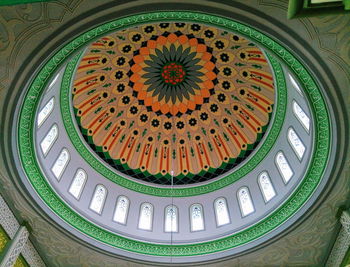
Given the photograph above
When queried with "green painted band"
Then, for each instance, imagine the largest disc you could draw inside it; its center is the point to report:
(19, 2)
(291, 206)
(151, 189)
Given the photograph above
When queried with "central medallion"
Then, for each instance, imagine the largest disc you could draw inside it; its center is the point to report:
(179, 73)
(173, 102)
(173, 73)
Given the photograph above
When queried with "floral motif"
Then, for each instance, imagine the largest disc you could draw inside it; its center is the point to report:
(178, 71)
(173, 74)
(171, 93)
(288, 208)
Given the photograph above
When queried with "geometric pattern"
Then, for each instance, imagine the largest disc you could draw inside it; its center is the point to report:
(342, 243)
(16, 247)
(177, 103)
(275, 219)
(175, 74)
(12, 257)
(9, 226)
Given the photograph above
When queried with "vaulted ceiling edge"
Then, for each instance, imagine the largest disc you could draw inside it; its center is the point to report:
(300, 196)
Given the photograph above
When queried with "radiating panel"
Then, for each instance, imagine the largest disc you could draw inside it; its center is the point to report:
(171, 219)
(266, 186)
(45, 111)
(60, 164)
(197, 218)
(176, 113)
(221, 212)
(78, 183)
(296, 143)
(121, 210)
(295, 84)
(283, 167)
(98, 198)
(146, 216)
(49, 139)
(245, 201)
(301, 116)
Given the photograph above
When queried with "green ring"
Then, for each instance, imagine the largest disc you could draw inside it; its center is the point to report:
(152, 189)
(290, 207)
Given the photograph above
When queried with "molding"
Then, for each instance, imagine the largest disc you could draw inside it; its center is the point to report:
(342, 243)
(19, 2)
(305, 190)
(11, 226)
(7, 219)
(14, 247)
(246, 167)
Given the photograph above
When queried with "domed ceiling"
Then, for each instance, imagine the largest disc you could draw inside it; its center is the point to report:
(174, 137)
(176, 103)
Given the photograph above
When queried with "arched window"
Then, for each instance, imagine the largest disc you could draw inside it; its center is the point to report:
(197, 218)
(98, 199)
(294, 83)
(78, 183)
(296, 143)
(121, 210)
(301, 116)
(146, 216)
(171, 219)
(245, 201)
(221, 211)
(60, 163)
(266, 186)
(53, 81)
(45, 111)
(283, 167)
(49, 139)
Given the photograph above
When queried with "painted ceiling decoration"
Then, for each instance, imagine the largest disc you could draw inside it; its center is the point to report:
(220, 109)
(173, 99)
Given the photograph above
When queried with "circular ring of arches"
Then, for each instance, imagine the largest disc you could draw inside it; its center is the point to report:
(284, 185)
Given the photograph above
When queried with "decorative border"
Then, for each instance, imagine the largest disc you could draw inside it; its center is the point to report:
(152, 189)
(19, 2)
(290, 207)
(10, 225)
(7, 220)
(4, 241)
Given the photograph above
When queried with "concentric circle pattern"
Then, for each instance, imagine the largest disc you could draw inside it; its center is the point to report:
(136, 102)
(174, 102)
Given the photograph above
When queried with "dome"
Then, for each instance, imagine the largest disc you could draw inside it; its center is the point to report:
(165, 90)
(174, 137)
